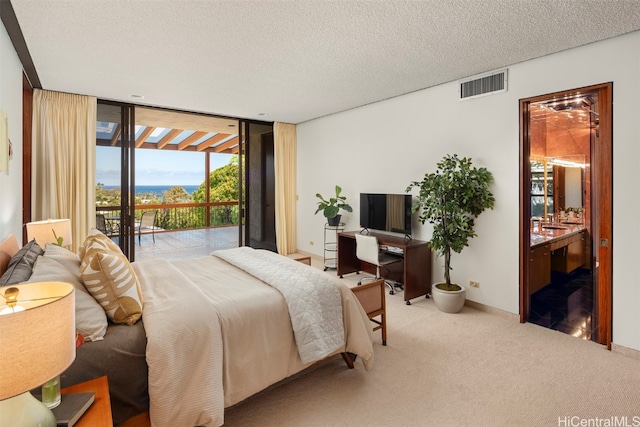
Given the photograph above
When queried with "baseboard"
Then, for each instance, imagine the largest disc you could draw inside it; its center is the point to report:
(492, 310)
(625, 351)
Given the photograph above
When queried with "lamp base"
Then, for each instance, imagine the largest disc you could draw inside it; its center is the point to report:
(25, 410)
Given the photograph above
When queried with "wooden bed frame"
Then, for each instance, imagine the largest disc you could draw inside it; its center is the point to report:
(8, 248)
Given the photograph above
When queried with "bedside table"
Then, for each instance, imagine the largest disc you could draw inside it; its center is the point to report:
(300, 258)
(99, 413)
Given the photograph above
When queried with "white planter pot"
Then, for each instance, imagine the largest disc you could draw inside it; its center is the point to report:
(448, 301)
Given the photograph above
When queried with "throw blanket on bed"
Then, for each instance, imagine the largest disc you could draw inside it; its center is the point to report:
(313, 299)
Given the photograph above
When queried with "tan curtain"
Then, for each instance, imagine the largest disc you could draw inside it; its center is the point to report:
(284, 147)
(64, 146)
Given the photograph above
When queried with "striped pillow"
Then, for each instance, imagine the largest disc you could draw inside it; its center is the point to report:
(96, 239)
(110, 279)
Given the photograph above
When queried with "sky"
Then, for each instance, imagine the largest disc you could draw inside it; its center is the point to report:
(157, 167)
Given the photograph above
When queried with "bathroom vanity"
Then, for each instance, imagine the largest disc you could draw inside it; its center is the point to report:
(558, 247)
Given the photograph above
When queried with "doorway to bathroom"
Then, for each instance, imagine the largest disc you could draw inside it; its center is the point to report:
(565, 211)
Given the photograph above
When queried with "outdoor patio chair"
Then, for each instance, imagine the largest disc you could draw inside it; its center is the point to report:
(101, 224)
(146, 225)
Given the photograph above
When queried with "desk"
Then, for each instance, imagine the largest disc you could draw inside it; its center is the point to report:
(414, 272)
(99, 413)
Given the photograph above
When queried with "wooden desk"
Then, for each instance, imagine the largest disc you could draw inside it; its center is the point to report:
(414, 272)
(99, 413)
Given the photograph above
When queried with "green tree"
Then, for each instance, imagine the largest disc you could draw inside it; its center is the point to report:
(176, 195)
(223, 187)
(107, 197)
(148, 198)
(177, 218)
(450, 199)
(223, 184)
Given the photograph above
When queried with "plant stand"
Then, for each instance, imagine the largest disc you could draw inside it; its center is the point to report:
(331, 245)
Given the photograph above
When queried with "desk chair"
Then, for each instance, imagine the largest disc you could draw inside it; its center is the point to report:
(368, 250)
(147, 224)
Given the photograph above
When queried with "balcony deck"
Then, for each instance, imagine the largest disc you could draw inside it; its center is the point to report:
(186, 244)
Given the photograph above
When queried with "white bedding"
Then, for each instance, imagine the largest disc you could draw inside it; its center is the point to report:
(216, 335)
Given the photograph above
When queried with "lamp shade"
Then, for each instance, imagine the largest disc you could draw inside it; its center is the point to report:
(38, 342)
(48, 230)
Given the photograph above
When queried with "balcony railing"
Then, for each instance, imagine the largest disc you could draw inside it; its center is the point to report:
(183, 216)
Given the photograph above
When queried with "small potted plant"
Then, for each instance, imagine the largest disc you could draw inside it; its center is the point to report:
(331, 208)
(450, 199)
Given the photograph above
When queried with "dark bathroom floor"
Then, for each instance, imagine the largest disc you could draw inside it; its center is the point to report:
(566, 305)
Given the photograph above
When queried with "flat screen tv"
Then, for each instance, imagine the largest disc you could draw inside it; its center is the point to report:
(386, 212)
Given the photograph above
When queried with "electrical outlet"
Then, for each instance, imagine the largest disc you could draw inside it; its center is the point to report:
(474, 284)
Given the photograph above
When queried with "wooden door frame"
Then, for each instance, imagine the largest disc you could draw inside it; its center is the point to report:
(602, 205)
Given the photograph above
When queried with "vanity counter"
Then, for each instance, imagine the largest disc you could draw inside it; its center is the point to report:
(557, 233)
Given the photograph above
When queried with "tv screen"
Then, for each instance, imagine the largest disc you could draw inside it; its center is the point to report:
(386, 212)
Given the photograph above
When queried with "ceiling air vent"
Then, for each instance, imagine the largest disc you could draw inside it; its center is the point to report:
(484, 84)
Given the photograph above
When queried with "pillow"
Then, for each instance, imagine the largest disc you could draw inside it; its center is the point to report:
(109, 277)
(21, 264)
(91, 320)
(97, 239)
(64, 256)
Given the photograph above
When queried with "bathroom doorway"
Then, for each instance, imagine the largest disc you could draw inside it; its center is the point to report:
(565, 212)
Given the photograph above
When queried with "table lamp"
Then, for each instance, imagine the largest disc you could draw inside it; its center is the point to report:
(56, 231)
(37, 343)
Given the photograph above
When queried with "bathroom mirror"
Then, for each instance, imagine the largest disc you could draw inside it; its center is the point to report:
(557, 183)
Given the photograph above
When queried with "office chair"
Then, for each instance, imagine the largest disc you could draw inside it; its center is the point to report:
(368, 250)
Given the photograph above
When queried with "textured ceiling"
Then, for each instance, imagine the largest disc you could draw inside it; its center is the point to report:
(295, 60)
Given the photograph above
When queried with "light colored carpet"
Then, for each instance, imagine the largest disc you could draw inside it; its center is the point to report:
(466, 369)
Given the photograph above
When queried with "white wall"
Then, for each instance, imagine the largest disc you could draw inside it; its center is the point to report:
(382, 147)
(11, 103)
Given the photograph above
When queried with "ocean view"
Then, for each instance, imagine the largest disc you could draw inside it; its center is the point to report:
(158, 189)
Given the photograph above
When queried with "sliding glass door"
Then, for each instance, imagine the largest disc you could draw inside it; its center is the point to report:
(115, 177)
(201, 174)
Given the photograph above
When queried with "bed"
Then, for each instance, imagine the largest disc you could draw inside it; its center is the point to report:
(211, 331)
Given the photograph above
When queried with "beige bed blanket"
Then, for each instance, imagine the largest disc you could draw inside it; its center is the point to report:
(217, 335)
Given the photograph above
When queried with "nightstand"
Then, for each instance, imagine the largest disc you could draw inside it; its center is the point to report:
(305, 259)
(99, 413)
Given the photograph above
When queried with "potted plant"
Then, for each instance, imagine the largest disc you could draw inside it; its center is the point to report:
(450, 199)
(331, 208)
